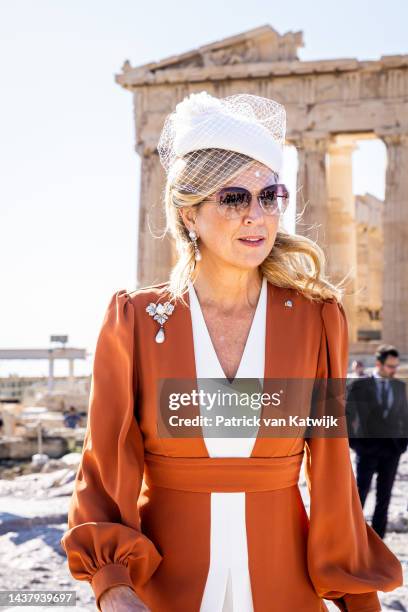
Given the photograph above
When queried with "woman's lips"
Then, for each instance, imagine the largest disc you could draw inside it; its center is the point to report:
(252, 241)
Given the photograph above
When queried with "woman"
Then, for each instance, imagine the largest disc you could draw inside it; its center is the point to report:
(193, 522)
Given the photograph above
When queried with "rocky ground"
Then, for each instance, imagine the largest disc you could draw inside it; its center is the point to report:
(33, 509)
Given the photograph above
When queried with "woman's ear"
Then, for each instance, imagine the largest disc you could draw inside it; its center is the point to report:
(188, 215)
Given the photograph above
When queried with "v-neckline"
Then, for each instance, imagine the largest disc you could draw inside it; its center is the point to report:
(210, 343)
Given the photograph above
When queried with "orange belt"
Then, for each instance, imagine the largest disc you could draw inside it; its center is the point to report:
(217, 474)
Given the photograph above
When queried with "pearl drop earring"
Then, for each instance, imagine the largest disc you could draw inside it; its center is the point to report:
(193, 237)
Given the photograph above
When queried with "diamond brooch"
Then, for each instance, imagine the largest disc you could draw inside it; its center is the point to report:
(160, 313)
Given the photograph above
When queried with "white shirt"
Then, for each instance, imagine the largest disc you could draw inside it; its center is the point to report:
(228, 586)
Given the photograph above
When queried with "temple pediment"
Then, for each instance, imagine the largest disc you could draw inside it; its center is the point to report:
(263, 44)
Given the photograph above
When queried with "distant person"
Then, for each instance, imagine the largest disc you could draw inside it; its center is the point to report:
(357, 369)
(377, 406)
(71, 418)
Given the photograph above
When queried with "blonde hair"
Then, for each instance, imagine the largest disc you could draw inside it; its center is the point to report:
(295, 261)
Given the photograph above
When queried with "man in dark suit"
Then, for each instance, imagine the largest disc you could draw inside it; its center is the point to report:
(377, 413)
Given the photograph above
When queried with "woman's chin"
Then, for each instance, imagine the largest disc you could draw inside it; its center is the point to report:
(251, 256)
(249, 261)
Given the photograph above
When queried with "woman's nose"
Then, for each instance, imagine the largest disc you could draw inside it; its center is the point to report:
(254, 212)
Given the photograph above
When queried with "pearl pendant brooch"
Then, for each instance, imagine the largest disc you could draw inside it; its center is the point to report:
(160, 313)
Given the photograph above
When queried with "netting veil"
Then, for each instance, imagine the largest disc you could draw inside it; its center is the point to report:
(220, 134)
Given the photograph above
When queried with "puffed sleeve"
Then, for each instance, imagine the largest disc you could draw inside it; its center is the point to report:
(347, 561)
(104, 543)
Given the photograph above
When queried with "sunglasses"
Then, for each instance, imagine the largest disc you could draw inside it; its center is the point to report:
(233, 202)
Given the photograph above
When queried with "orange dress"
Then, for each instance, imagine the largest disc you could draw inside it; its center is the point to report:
(140, 512)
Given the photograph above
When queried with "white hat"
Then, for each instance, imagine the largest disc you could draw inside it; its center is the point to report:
(245, 123)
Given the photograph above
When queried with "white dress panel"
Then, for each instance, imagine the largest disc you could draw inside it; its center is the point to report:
(228, 586)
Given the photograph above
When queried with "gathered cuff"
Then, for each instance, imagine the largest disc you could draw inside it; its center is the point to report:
(110, 554)
(358, 602)
(107, 576)
(362, 602)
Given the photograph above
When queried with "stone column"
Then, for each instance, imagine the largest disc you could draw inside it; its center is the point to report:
(50, 382)
(370, 261)
(395, 231)
(342, 243)
(154, 253)
(311, 197)
(324, 195)
(71, 374)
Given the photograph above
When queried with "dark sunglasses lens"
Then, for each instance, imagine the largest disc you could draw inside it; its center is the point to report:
(233, 201)
(274, 199)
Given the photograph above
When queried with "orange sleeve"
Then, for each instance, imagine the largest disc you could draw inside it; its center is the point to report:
(104, 544)
(347, 561)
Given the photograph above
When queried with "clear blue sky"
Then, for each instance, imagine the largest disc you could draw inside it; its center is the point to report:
(69, 173)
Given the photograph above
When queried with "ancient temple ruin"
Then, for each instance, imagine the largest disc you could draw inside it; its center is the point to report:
(330, 104)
